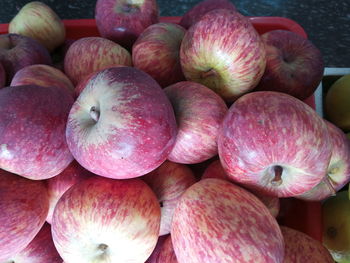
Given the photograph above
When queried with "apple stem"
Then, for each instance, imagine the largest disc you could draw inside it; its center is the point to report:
(277, 180)
(94, 113)
(209, 73)
(330, 185)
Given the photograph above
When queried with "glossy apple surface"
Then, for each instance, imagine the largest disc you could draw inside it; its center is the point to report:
(122, 125)
(124, 20)
(91, 54)
(224, 52)
(24, 205)
(294, 65)
(106, 220)
(199, 112)
(38, 21)
(217, 221)
(156, 52)
(33, 123)
(169, 181)
(274, 143)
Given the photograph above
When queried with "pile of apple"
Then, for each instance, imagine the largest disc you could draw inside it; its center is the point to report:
(102, 145)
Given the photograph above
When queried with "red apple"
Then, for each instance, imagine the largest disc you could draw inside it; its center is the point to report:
(199, 112)
(91, 54)
(2, 76)
(338, 172)
(167, 253)
(32, 123)
(122, 125)
(124, 20)
(106, 220)
(294, 65)
(17, 51)
(217, 221)
(41, 249)
(274, 143)
(42, 75)
(215, 170)
(156, 52)
(59, 184)
(203, 7)
(300, 248)
(224, 52)
(38, 21)
(168, 182)
(23, 205)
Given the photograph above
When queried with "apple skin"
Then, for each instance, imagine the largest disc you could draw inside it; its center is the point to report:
(338, 172)
(24, 205)
(58, 185)
(122, 125)
(300, 248)
(91, 54)
(2, 76)
(32, 124)
(215, 170)
(167, 253)
(294, 65)
(169, 181)
(217, 221)
(199, 112)
(122, 21)
(224, 52)
(38, 21)
(17, 51)
(106, 220)
(203, 7)
(42, 75)
(40, 249)
(275, 144)
(153, 258)
(156, 52)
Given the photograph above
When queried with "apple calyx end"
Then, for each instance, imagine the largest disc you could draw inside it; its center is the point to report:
(102, 247)
(94, 113)
(209, 73)
(277, 179)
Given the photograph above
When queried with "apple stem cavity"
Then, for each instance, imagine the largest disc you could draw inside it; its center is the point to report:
(94, 113)
(209, 73)
(277, 179)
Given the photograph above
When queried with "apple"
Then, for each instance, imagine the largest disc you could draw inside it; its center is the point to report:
(294, 65)
(215, 170)
(217, 221)
(167, 253)
(42, 75)
(2, 76)
(58, 185)
(337, 103)
(199, 112)
(156, 52)
(40, 249)
(338, 173)
(169, 181)
(91, 54)
(153, 258)
(17, 51)
(300, 248)
(274, 143)
(122, 125)
(106, 220)
(203, 7)
(32, 123)
(23, 205)
(124, 20)
(336, 226)
(224, 52)
(38, 21)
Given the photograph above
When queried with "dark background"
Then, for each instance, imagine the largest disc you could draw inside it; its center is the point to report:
(327, 22)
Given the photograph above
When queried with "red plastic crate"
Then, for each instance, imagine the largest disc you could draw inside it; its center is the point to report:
(301, 215)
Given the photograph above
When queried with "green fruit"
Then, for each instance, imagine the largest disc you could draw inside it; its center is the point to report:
(336, 226)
